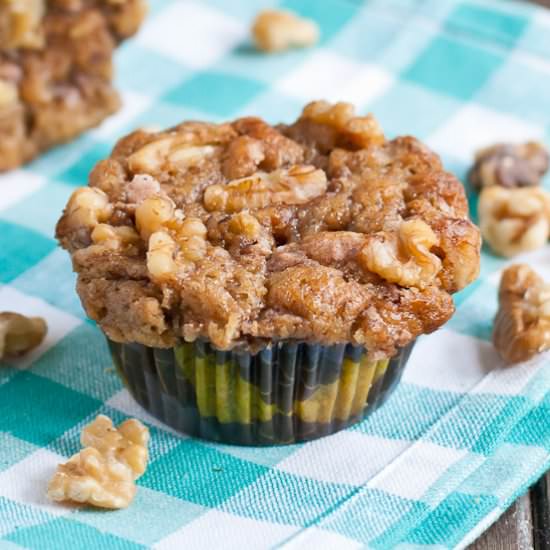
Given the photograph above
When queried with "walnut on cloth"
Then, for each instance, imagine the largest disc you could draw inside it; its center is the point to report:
(522, 324)
(103, 474)
(20, 334)
(509, 165)
(277, 30)
(514, 220)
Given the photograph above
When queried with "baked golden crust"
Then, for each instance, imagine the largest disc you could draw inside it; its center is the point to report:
(243, 233)
(56, 70)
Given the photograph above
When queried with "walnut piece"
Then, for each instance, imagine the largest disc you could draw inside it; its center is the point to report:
(176, 247)
(277, 30)
(296, 185)
(514, 220)
(176, 151)
(24, 23)
(9, 94)
(108, 237)
(359, 131)
(522, 324)
(509, 165)
(103, 474)
(20, 334)
(403, 257)
(87, 207)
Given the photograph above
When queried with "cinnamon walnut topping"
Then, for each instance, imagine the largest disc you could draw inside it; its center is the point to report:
(103, 474)
(510, 165)
(522, 324)
(20, 334)
(276, 30)
(514, 220)
(403, 257)
(321, 230)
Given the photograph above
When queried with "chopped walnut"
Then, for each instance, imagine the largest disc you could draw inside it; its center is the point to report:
(277, 30)
(170, 252)
(87, 207)
(404, 257)
(162, 250)
(24, 24)
(9, 94)
(176, 151)
(20, 334)
(514, 220)
(357, 131)
(108, 237)
(522, 324)
(296, 185)
(509, 165)
(152, 214)
(103, 474)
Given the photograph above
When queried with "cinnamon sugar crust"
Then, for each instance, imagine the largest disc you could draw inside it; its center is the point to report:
(244, 233)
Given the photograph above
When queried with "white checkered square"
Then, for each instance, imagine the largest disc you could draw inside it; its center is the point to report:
(474, 126)
(26, 481)
(326, 75)
(217, 529)
(449, 361)
(313, 537)
(192, 33)
(17, 185)
(132, 105)
(329, 460)
(60, 323)
(417, 469)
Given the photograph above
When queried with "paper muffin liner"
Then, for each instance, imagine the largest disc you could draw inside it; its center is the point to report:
(286, 393)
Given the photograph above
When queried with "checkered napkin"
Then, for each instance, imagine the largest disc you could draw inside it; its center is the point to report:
(459, 440)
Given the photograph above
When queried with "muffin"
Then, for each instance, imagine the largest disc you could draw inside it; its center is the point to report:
(56, 70)
(265, 284)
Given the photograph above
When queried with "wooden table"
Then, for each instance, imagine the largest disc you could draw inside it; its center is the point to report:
(526, 525)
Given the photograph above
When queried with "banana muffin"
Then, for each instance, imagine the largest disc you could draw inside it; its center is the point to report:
(270, 279)
(56, 70)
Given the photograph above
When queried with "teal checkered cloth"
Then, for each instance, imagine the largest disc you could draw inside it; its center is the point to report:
(461, 437)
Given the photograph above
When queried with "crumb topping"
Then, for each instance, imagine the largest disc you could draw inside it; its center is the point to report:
(242, 233)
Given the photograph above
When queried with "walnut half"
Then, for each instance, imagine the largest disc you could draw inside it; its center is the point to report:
(20, 334)
(522, 324)
(277, 30)
(103, 474)
(403, 257)
(514, 220)
(509, 165)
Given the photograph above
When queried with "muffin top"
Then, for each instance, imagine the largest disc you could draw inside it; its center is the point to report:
(242, 233)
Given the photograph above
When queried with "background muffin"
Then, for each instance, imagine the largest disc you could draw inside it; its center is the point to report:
(56, 70)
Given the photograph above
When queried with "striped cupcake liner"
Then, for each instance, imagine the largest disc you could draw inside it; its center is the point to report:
(286, 393)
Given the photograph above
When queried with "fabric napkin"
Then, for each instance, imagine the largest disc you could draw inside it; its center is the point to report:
(461, 438)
